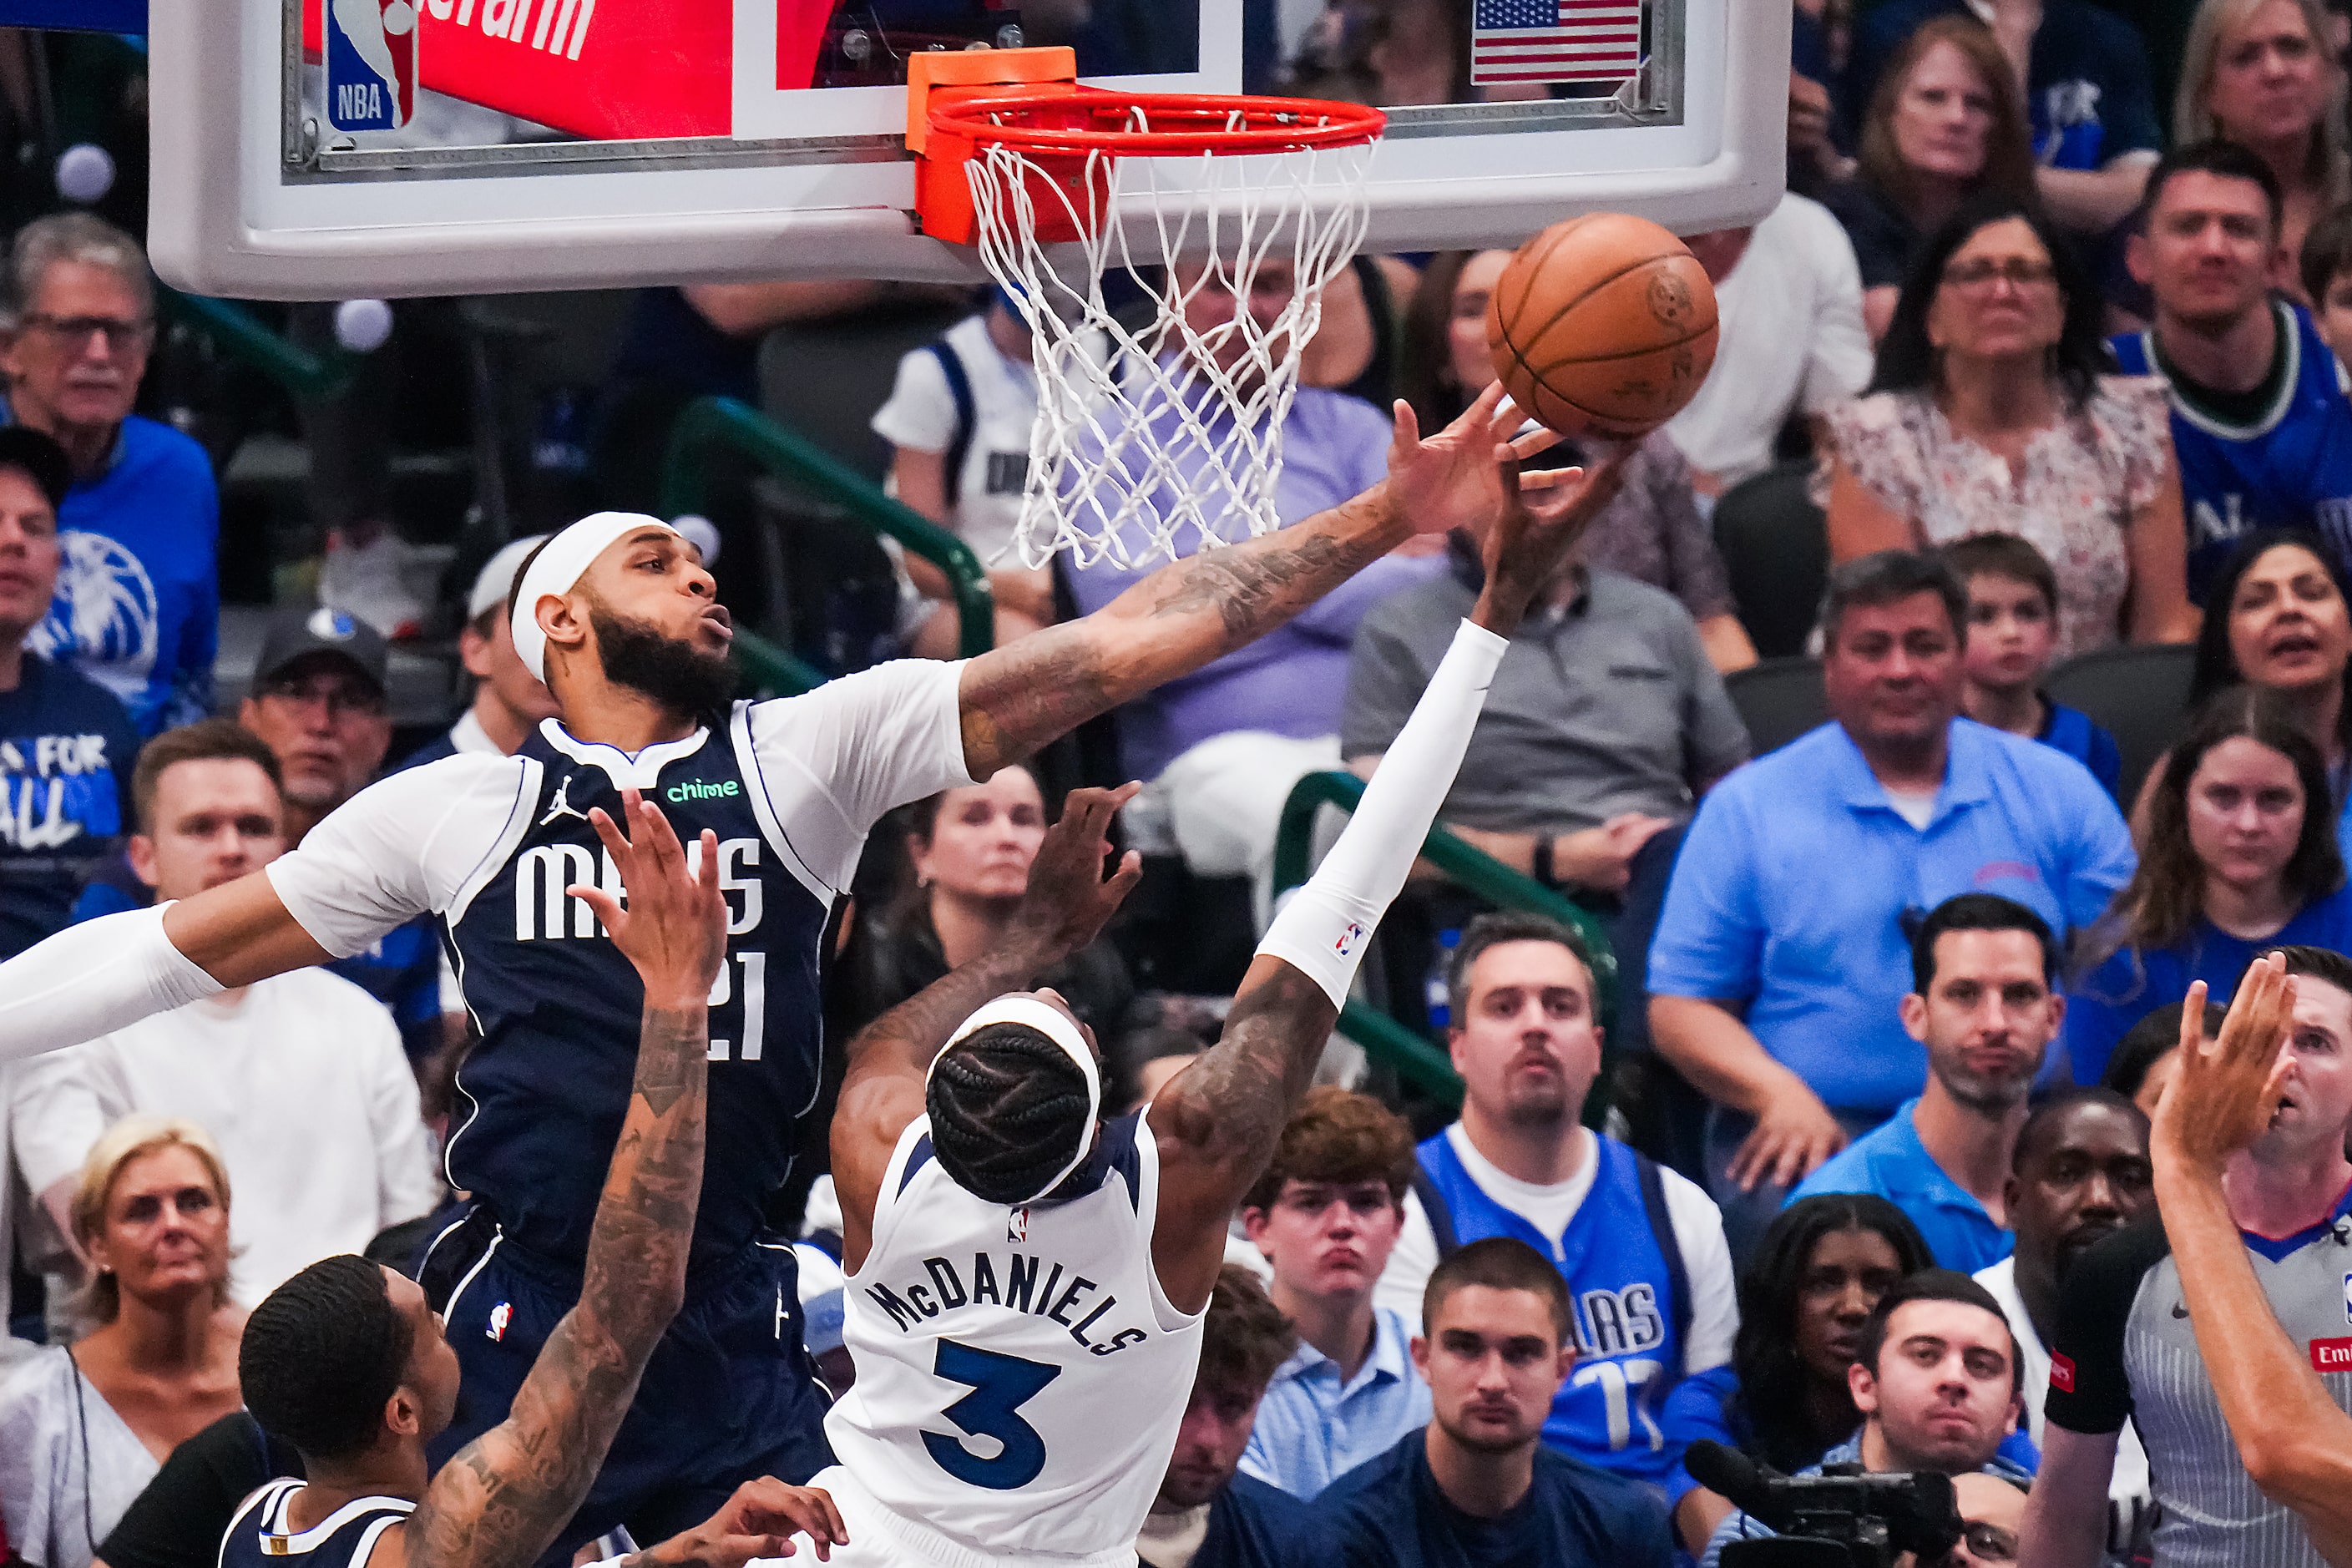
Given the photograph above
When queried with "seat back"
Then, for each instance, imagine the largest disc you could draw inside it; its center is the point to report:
(1775, 546)
(827, 378)
(2138, 694)
(1779, 700)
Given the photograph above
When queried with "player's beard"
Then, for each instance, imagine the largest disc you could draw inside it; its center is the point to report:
(674, 673)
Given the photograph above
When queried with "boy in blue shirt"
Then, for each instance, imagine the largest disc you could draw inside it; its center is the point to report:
(2012, 626)
(1478, 1485)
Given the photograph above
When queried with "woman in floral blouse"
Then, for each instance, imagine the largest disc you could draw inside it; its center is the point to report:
(1991, 413)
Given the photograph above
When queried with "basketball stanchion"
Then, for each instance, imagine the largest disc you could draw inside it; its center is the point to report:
(1156, 438)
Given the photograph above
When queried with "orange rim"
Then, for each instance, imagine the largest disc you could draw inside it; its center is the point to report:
(1238, 124)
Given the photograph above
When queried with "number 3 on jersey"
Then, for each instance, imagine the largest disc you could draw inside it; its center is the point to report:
(1001, 1384)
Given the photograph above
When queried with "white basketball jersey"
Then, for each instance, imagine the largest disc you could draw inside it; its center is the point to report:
(1020, 1374)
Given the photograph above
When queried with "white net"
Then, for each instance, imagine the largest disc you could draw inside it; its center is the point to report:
(1160, 429)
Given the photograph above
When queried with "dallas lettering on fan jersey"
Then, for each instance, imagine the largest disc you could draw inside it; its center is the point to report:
(945, 1288)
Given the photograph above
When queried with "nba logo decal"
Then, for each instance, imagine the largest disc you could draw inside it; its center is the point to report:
(1346, 945)
(2347, 1297)
(499, 1315)
(1017, 1225)
(371, 58)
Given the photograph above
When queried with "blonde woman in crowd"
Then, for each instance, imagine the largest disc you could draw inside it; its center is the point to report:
(85, 1426)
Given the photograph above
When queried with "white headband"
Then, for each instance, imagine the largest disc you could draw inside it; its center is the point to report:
(559, 569)
(1055, 1025)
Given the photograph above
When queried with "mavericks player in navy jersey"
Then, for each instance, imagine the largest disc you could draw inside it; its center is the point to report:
(348, 1364)
(618, 616)
(1026, 1286)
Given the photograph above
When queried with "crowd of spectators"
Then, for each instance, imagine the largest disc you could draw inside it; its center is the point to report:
(2054, 315)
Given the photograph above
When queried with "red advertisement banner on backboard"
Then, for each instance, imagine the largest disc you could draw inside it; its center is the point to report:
(607, 69)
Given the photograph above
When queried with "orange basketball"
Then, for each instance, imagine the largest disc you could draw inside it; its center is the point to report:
(1602, 324)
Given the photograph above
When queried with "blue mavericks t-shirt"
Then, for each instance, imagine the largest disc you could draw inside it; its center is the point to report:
(65, 753)
(138, 600)
(2103, 1005)
(2291, 467)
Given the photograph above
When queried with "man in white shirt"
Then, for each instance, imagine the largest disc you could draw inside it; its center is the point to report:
(2081, 1172)
(1641, 1247)
(1787, 294)
(300, 1078)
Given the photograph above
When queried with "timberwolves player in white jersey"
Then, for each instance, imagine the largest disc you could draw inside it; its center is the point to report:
(619, 616)
(1025, 1283)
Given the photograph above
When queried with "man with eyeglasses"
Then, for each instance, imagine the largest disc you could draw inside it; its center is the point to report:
(138, 596)
(2260, 421)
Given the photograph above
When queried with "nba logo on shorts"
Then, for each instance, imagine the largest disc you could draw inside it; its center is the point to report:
(370, 63)
(500, 1316)
(1346, 945)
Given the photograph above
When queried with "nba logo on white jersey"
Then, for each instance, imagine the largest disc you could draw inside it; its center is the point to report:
(500, 1316)
(2347, 1297)
(371, 59)
(1016, 1229)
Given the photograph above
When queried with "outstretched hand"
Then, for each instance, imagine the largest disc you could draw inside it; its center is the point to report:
(673, 924)
(1543, 517)
(1457, 477)
(1069, 899)
(2223, 1095)
(759, 1521)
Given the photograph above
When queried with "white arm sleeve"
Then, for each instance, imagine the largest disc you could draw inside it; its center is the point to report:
(1323, 930)
(92, 979)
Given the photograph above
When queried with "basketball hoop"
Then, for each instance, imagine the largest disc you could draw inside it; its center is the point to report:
(1158, 437)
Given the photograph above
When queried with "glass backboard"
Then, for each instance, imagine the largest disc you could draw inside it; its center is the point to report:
(323, 149)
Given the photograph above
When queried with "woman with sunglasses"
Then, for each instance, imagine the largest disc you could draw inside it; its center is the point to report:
(1991, 413)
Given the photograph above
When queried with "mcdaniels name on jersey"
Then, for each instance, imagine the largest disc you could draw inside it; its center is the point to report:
(1066, 1296)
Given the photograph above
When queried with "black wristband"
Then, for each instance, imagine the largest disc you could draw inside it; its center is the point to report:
(1541, 867)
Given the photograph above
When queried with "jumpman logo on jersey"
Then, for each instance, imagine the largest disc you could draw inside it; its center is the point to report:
(561, 806)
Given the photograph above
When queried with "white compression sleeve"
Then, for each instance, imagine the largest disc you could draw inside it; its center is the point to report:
(91, 979)
(1323, 930)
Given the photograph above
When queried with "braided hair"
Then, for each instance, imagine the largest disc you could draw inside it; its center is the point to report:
(320, 1356)
(1008, 1107)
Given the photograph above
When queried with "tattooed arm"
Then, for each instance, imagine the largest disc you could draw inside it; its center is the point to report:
(1216, 1123)
(1018, 697)
(1066, 903)
(501, 1500)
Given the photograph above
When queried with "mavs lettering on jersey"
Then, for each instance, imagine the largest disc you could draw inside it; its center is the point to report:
(558, 1008)
(2288, 467)
(1623, 1276)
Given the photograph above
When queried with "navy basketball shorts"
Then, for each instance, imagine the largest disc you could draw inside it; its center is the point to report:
(729, 1395)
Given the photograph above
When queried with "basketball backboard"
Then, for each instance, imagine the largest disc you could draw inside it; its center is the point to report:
(323, 149)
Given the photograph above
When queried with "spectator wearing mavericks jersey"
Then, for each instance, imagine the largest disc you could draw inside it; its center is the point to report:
(2127, 1346)
(138, 599)
(1984, 1003)
(959, 419)
(65, 745)
(1641, 1249)
(2261, 425)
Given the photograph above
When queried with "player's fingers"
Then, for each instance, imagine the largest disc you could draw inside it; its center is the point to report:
(1543, 479)
(1407, 429)
(706, 875)
(1123, 880)
(2192, 1022)
(606, 908)
(658, 840)
(612, 836)
(1542, 439)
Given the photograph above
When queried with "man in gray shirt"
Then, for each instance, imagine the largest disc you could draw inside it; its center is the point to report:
(1605, 724)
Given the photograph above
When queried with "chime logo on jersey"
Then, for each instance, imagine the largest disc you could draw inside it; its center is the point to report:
(370, 60)
(500, 1315)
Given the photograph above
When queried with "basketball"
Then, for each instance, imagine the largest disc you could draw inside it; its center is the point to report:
(1602, 324)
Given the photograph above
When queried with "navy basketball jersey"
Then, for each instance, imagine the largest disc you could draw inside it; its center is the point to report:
(256, 1536)
(1628, 1295)
(2291, 467)
(558, 1008)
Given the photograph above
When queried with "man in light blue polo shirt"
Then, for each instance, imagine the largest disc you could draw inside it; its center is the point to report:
(1983, 1002)
(1785, 943)
(1327, 1214)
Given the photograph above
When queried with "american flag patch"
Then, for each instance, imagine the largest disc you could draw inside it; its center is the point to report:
(1540, 42)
